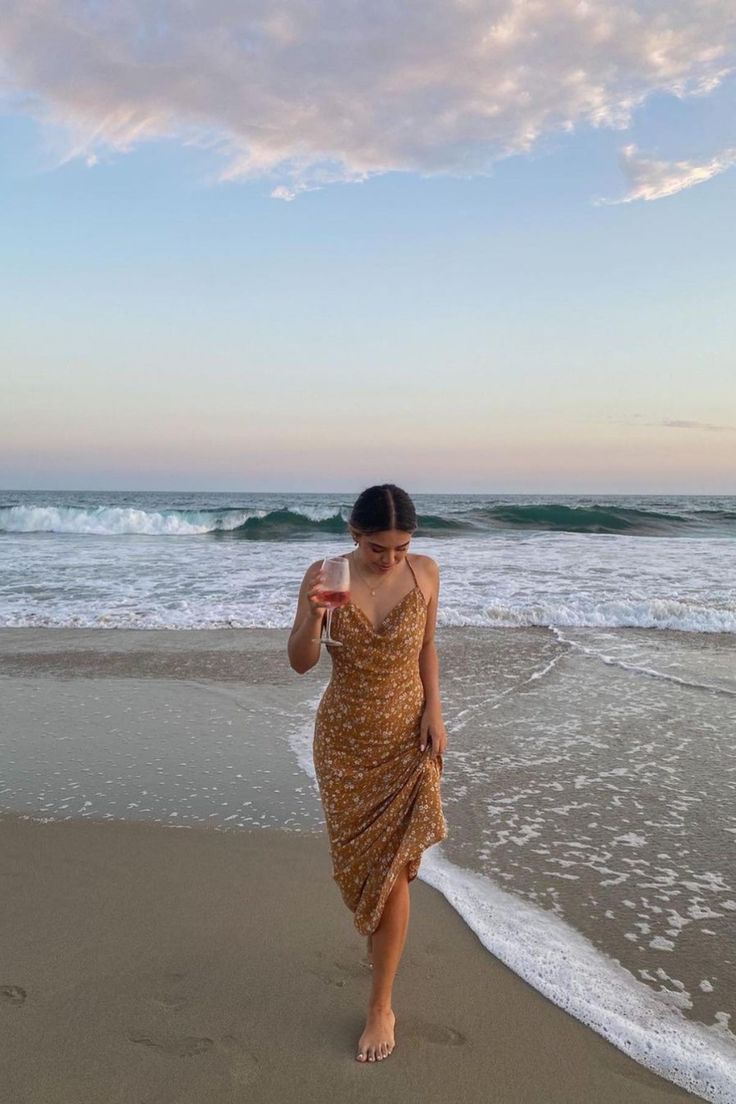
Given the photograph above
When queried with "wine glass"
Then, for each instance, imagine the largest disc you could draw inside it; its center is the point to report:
(334, 590)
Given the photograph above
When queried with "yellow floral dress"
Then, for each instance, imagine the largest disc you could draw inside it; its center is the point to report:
(380, 793)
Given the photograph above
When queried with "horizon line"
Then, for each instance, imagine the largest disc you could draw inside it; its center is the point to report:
(415, 494)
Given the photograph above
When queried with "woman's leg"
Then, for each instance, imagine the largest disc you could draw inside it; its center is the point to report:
(377, 1040)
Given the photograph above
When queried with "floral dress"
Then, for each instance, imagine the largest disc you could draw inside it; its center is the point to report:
(380, 793)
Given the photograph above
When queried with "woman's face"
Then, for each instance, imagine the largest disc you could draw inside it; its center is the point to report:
(382, 552)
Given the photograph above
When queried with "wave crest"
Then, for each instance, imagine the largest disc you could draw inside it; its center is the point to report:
(288, 521)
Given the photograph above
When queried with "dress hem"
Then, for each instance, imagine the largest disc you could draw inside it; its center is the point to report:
(417, 856)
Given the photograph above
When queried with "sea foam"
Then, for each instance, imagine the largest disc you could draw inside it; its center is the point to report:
(565, 967)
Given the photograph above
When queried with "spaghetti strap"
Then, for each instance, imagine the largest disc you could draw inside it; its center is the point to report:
(416, 581)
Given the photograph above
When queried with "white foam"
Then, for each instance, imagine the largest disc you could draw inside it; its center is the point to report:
(319, 513)
(652, 672)
(566, 968)
(588, 612)
(85, 577)
(119, 521)
(300, 741)
(115, 521)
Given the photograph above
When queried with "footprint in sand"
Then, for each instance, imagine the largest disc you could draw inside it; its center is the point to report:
(353, 969)
(179, 1047)
(163, 999)
(13, 994)
(440, 1034)
(341, 974)
(329, 978)
(244, 1064)
(168, 1004)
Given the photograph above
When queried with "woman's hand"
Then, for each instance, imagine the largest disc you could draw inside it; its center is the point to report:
(432, 731)
(315, 585)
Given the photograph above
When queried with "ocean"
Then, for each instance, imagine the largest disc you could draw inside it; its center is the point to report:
(587, 647)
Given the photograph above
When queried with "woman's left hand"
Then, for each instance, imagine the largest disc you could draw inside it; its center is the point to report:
(432, 731)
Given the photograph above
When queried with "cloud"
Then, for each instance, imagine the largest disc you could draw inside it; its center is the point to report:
(675, 424)
(650, 179)
(307, 92)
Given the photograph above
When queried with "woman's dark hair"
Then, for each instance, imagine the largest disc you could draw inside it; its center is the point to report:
(383, 507)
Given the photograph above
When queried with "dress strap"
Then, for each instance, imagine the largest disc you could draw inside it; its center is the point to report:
(416, 581)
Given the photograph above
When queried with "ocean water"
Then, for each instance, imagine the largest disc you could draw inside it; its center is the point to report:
(183, 561)
(589, 689)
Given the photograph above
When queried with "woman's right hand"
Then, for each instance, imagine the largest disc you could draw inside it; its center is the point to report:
(310, 612)
(315, 590)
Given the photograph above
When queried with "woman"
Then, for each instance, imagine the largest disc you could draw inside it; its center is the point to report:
(379, 735)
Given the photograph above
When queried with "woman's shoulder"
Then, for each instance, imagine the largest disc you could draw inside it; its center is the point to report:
(427, 571)
(426, 563)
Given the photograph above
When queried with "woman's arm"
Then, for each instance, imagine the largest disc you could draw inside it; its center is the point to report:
(432, 728)
(304, 646)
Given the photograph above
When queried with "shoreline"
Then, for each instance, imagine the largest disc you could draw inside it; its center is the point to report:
(149, 964)
(121, 711)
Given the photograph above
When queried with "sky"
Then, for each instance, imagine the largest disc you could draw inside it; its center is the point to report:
(472, 246)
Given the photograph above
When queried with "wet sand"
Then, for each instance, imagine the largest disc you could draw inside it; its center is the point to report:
(160, 964)
(147, 963)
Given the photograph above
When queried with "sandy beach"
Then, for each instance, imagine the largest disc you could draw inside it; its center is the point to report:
(144, 963)
(148, 961)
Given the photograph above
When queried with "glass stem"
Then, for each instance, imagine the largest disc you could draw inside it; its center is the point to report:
(329, 624)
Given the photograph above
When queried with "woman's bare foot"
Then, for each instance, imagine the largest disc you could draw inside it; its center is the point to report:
(377, 1040)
